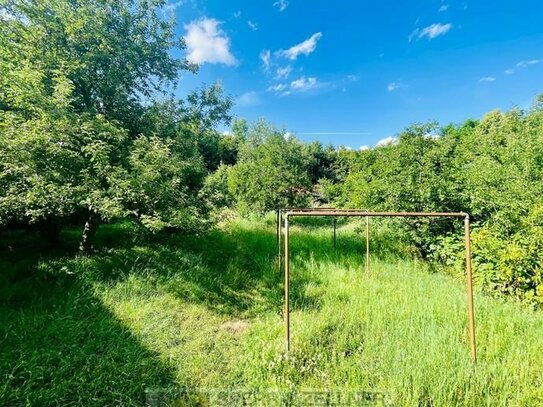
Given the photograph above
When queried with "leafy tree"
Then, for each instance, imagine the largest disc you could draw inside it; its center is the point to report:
(271, 172)
(78, 133)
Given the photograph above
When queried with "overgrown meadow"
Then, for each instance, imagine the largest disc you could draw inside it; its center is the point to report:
(138, 260)
(179, 320)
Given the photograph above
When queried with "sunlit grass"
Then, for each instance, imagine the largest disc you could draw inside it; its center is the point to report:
(207, 313)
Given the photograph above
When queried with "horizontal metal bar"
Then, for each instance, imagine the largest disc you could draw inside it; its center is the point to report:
(375, 214)
(319, 209)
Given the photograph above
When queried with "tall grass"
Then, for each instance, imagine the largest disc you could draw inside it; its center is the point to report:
(205, 313)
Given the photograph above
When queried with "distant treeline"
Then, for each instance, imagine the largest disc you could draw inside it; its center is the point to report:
(90, 133)
(492, 169)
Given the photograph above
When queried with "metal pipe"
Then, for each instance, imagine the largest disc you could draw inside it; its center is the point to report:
(375, 214)
(367, 244)
(279, 233)
(335, 221)
(277, 226)
(287, 277)
(384, 214)
(469, 283)
(321, 209)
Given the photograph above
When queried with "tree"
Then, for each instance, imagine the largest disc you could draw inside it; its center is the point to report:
(271, 172)
(77, 134)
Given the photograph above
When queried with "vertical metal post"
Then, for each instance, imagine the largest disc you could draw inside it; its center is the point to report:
(287, 310)
(470, 290)
(335, 221)
(367, 244)
(277, 226)
(279, 232)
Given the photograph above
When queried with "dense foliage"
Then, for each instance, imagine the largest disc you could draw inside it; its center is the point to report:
(491, 169)
(89, 134)
(86, 128)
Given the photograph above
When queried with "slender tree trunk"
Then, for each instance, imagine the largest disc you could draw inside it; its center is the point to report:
(91, 225)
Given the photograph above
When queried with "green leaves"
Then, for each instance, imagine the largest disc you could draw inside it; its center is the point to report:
(272, 171)
(80, 132)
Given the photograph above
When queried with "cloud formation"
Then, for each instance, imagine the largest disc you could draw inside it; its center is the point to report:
(265, 57)
(304, 84)
(487, 79)
(283, 73)
(299, 85)
(305, 47)
(207, 43)
(430, 32)
(387, 141)
(281, 4)
(524, 64)
(391, 87)
(252, 25)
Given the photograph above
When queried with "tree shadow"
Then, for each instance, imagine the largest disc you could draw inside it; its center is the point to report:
(61, 346)
(234, 272)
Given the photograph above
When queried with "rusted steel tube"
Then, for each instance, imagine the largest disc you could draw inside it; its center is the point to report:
(320, 209)
(375, 214)
(469, 282)
(287, 278)
(335, 222)
(367, 244)
(277, 226)
(279, 233)
(385, 214)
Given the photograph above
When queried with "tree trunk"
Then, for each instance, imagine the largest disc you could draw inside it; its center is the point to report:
(91, 225)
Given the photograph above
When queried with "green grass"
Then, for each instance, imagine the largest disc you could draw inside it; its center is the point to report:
(205, 313)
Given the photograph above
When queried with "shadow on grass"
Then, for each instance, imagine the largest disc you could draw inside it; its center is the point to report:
(234, 272)
(230, 272)
(60, 346)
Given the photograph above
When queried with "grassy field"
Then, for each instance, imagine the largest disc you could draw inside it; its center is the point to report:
(197, 320)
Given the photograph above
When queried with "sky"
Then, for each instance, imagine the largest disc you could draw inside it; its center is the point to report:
(353, 73)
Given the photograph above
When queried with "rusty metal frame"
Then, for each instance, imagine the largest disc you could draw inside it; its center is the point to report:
(279, 230)
(367, 215)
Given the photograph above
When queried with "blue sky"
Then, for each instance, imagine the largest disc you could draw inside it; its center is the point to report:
(355, 72)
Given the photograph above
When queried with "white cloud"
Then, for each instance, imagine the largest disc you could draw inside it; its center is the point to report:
(281, 4)
(363, 148)
(387, 141)
(253, 26)
(206, 42)
(299, 85)
(265, 57)
(431, 32)
(248, 99)
(444, 7)
(237, 14)
(304, 84)
(305, 47)
(524, 64)
(310, 83)
(391, 87)
(278, 88)
(283, 73)
(487, 79)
